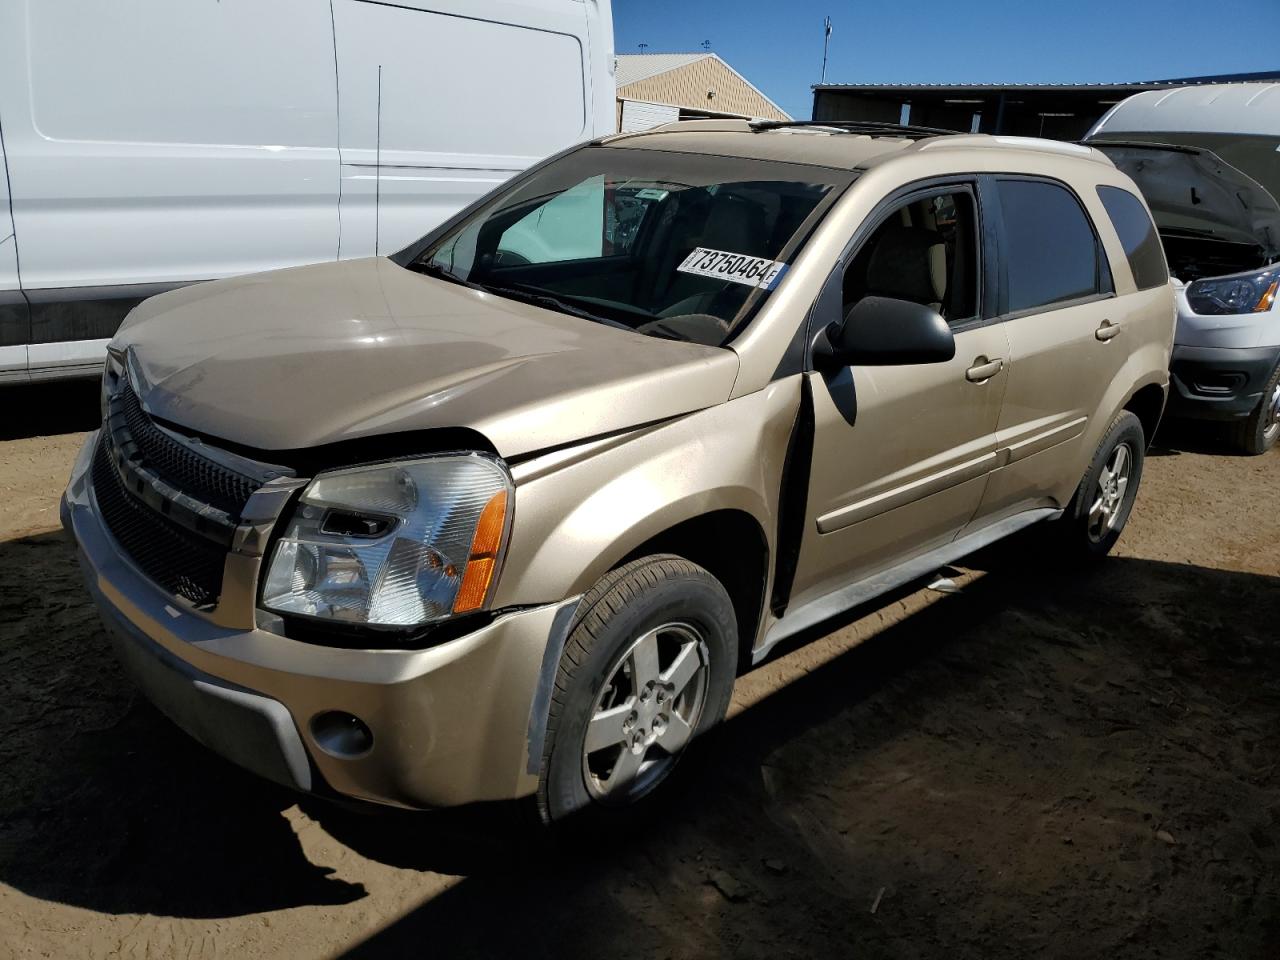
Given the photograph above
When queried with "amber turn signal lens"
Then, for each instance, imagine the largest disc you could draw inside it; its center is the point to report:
(483, 556)
(1268, 298)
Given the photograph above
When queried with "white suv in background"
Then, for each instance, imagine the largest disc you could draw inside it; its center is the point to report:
(1205, 158)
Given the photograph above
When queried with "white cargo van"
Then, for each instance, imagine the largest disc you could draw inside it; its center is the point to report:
(148, 144)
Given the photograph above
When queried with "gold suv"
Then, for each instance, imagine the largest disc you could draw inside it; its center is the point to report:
(503, 515)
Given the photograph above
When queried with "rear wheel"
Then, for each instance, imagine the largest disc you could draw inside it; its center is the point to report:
(648, 666)
(1259, 432)
(1097, 513)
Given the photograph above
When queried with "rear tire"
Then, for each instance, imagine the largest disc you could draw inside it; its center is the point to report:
(648, 667)
(1098, 511)
(1258, 432)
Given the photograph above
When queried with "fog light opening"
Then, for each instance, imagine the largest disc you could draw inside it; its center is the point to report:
(342, 735)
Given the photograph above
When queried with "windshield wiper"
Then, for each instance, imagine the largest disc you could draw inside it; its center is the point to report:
(550, 302)
(440, 273)
(537, 298)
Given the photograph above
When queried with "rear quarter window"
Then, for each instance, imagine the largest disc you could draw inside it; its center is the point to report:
(1137, 235)
(1051, 251)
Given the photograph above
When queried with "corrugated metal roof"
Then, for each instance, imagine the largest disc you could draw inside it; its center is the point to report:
(633, 67)
(991, 87)
(1136, 85)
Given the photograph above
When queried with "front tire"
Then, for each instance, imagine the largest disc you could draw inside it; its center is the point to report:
(1258, 432)
(1096, 515)
(648, 667)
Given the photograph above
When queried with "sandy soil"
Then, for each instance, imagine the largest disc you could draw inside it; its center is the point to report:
(1048, 764)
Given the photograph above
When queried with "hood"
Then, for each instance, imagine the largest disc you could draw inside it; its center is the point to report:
(312, 355)
(1195, 190)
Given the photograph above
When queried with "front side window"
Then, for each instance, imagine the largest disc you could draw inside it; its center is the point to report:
(1051, 253)
(674, 245)
(926, 251)
(1137, 235)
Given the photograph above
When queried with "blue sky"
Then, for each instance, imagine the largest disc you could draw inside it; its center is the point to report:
(778, 45)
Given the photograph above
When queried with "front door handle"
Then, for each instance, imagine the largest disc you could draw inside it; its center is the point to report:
(1107, 331)
(983, 369)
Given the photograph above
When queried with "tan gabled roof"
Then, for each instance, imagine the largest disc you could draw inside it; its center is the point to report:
(632, 67)
(683, 80)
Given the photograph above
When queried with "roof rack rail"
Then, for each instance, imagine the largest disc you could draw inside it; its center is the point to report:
(855, 126)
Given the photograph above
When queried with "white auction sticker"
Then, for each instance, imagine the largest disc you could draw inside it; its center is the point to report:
(736, 267)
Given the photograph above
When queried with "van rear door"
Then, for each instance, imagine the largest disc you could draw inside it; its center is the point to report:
(440, 101)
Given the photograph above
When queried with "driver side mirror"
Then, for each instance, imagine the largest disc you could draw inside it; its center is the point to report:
(882, 331)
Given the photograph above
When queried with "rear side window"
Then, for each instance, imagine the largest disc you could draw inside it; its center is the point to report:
(1137, 235)
(1051, 251)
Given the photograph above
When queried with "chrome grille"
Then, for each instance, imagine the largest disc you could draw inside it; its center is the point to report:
(176, 462)
(171, 502)
(182, 562)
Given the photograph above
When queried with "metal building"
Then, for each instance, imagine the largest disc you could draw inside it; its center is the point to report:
(1061, 111)
(657, 88)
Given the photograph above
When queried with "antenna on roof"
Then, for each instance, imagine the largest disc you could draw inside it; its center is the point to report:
(377, 169)
(826, 40)
(643, 47)
(706, 44)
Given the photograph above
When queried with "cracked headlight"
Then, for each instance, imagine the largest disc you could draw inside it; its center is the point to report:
(393, 544)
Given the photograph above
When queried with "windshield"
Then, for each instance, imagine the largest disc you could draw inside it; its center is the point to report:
(675, 245)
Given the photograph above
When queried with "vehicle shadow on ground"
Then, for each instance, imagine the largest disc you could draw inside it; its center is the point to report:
(103, 802)
(46, 409)
(806, 809)
(903, 772)
(1175, 437)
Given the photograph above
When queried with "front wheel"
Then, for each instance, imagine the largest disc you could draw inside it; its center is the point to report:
(1258, 432)
(648, 666)
(1097, 513)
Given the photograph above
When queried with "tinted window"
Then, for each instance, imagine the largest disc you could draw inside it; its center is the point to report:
(1051, 253)
(1137, 235)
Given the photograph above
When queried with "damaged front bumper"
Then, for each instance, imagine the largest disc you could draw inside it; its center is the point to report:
(450, 724)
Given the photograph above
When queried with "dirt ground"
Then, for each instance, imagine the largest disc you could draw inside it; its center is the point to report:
(1046, 764)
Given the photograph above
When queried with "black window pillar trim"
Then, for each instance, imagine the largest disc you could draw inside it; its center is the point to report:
(995, 292)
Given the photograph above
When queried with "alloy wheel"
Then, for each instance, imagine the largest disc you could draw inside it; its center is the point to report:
(1109, 496)
(646, 713)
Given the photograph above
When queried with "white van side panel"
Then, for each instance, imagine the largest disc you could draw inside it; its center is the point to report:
(13, 306)
(603, 85)
(470, 94)
(153, 142)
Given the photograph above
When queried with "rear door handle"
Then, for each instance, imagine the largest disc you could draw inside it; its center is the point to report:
(1107, 331)
(983, 369)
